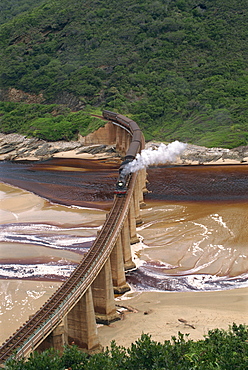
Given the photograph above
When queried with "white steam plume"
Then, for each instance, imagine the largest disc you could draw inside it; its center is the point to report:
(162, 155)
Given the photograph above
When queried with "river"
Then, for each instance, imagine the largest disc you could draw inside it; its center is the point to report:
(193, 236)
(194, 233)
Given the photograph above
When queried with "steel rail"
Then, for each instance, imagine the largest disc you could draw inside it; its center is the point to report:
(50, 315)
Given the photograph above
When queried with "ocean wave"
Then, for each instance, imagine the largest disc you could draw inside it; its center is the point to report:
(51, 271)
(46, 235)
(145, 280)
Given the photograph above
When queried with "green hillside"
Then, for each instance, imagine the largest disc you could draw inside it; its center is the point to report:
(178, 67)
(10, 8)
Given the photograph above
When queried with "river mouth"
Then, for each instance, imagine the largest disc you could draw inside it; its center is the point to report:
(72, 182)
(193, 233)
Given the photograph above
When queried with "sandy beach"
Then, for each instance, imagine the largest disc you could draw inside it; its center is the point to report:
(164, 314)
(160, 314)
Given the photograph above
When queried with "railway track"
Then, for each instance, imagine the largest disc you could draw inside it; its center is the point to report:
(47, 318)
(33, 331)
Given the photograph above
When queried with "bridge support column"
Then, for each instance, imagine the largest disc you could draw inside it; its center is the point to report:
(132, 222)
(81, 324)
(124, 143)
(57, 339)
(117, 267)
(126, 245)
(142, 181)
(136, 196)
(59, 335)
(128, 141)
(119, 141)
(103, 296)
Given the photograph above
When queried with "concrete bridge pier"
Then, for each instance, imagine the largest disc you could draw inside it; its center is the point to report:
(126, 141)
(103, 296)
(137, 197)
(126, 246)
(142, 180)
(81, 324)
(57, 339)
(118, 136)
(59, 336)
(117, 268)
(132, 222)
(120, 146)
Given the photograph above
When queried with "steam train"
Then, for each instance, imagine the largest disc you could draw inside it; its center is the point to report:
(134, 148)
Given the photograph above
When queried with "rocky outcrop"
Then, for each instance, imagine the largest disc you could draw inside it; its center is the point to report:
(18, 147)
(201, 155)
(69, 100)
(15, 95)
(195, 154)
(19, 96)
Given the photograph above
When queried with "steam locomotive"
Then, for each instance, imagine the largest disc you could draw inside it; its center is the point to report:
(134, 148)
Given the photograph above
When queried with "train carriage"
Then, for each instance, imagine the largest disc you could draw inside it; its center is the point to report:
(134, 148)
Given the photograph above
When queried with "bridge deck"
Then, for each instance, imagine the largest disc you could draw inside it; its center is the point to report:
(38, 327)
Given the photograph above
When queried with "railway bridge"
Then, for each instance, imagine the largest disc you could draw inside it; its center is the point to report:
(86, 298)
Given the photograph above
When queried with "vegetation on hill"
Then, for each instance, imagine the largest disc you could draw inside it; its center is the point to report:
(222, 350)
(10, 8)
(48, 122)
(179, 68)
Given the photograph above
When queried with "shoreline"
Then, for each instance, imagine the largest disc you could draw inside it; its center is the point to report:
(110, 158)
(16, 147)
(164, 314)
(180, 162)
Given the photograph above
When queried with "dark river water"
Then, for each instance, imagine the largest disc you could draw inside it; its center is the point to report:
(65, 181)
(91, 182)
(194, 232)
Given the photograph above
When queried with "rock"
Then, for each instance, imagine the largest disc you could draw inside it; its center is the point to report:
(16, 147)
(6, 148)
(201, 155)
(195, 154)
(93, 149)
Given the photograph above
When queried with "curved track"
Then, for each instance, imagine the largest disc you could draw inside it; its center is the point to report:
(44, 321)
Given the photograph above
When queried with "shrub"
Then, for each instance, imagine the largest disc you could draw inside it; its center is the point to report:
(220, 349)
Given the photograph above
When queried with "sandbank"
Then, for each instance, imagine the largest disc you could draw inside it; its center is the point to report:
(164, 314)
(109, 156)
(74, 154)
(18, 205)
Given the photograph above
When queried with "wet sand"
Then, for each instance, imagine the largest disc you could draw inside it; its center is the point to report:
(20, 299)
(190, 237)
(17, 205)
(163, 315)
